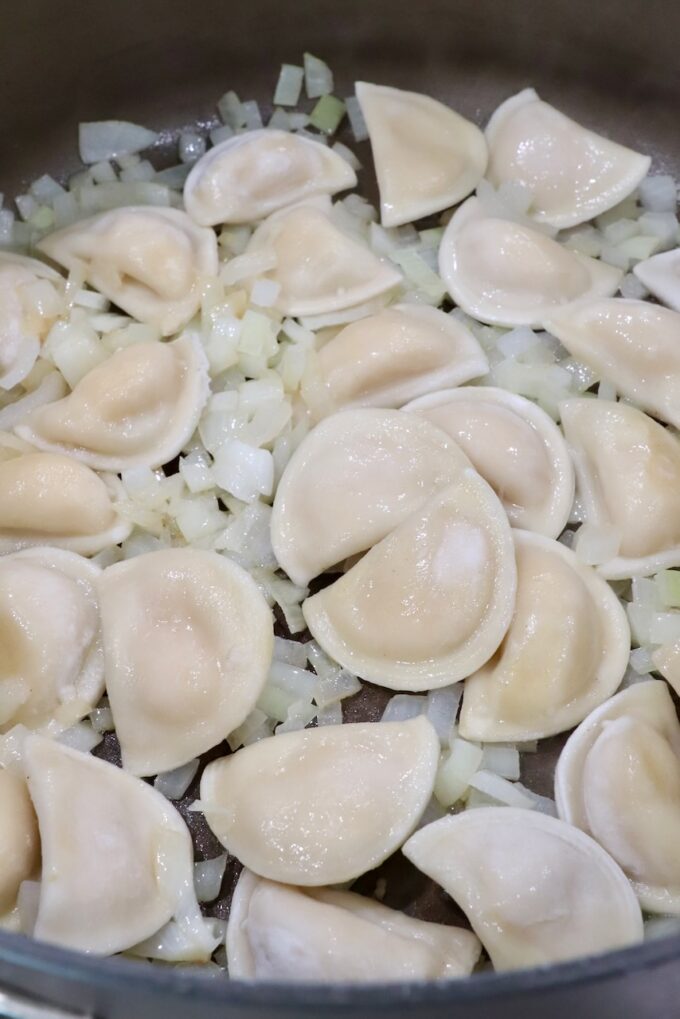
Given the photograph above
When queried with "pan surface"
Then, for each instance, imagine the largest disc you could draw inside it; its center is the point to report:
(612, 65)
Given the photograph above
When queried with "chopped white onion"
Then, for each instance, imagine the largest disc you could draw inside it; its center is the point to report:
(356, 119)
(288, 86)
(292, 652)
(500, 790)
(173, 784)
(659, 193)
(330, 715)
(595, 545)
(102, 719)
(456, 770)
(403, 706)
(80, 736)
(300, 714)
(318, 77)
(50, 389)
(208, 877)
(109, 139)
(503, 761)
(441, 709)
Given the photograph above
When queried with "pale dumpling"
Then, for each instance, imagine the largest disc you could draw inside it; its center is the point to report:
(319, 268)
(322, 806)
(536, 890)
(136, 409)
(386, 359)
(505, 273)
(25, 315)
(152, 262)
(618, 778)
(661, 275)
(188, 639)
(632, 344)
(431, 602)
(565, 652)
(355, 477)
(427, 157)
(50, 499)
(252, 175)
(628, 479)
(19, 838)
(117, 858)
(514, 445)
(572, 173)
(278, 932)
(51, 658)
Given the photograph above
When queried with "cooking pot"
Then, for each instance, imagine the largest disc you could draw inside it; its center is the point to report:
(611, 64)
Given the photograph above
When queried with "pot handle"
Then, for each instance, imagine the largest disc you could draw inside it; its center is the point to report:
(13, 1007)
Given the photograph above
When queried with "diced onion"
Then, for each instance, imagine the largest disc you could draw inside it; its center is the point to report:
(330, 715)
(292, 652)
(500, 790)
(289, 85)
(441, 709)
(503, 761)
(102, 719)
(659, 193)
(231, 110)
(356, 119)
(109, 139)
(403, 706)
(300, 714)
(80, 736)
(641, 661)
(208, 877)
(327, 114)
(299, 682)
(667, 583)
(456, 770)
(318, 77)
(191, 146)
(50, 389)
(173, 784)
(595, 545)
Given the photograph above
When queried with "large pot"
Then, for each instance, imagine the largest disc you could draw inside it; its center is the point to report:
(612, 64)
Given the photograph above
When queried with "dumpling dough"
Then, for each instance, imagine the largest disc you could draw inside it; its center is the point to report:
(19, 839)
(628, 476)
(23, 323)
(277, 932)
(427, 157)
(661, 275)
(351, 481)
(252, 175)
(566, 650)
(431, 602)
(188, 639)
(117, 858)
(50, 499)
(322, 806)
(151, 262)
(318, 267)
(514, 445)
(51, 658)
(618, 778)
(386, 359)
(632, 344)
(536, 890)
(137, 409)
(572, 173)
(508, 274)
